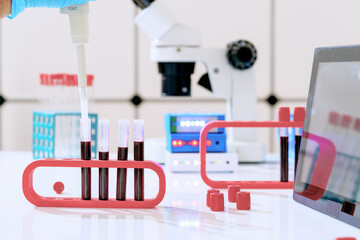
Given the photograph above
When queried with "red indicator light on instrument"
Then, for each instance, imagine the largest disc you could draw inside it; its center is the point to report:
(174, 143)
(208, 142)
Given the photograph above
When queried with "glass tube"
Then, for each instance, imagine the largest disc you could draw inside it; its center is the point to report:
(123, 141)
(139, 156)
(104, 126)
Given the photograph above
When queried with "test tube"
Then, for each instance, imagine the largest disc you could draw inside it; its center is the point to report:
(299, 116)
(122, 156)
(85, 137)
(104, 125)
(284, 116)
(139, 156)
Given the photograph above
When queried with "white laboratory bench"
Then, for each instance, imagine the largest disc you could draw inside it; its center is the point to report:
(181, 215)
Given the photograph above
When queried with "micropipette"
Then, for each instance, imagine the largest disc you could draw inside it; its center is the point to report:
(79, 31)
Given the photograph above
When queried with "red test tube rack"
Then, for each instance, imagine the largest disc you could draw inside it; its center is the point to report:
(40, 201)
(242, 124)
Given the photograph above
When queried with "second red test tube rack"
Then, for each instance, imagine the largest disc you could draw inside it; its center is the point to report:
(40, 201)
(244, 124)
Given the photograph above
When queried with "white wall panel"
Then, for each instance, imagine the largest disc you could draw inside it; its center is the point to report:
(16, 126)
(301, 26)
(219, 22)
(38, 40)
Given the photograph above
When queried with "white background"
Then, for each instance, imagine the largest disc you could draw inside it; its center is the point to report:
(285, 33)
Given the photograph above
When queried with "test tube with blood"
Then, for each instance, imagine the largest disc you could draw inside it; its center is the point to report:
(85, 136)
(299, 116)
(139, 156)
(284, 116)
(104, 125)
(123, 142)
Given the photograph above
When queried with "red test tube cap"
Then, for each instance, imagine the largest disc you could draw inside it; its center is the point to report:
(44, 78)
(357, 124)
(334, 118)
(210, 191)
(299, 114)
(232, 191)
(284, 114)
(217, 202)
(346, 121)
(243, 201)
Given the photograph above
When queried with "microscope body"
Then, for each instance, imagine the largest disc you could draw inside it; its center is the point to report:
(178, 43)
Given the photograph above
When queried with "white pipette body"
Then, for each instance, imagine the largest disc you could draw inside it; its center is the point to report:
(79, 31)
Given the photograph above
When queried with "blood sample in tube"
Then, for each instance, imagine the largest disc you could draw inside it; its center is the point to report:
(85, 132)
(104, 125)
(122, 156)
(284, 116)
(139, 156)
(299, 116)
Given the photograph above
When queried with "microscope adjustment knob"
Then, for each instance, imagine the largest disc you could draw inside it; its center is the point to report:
(241, 54)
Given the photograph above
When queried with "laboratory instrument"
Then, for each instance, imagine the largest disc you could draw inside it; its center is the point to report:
(79, 31)
(176, 47)
(190, 162)
(139, 156)
(123, 143)
(284, 116)
(104, 127)
(183, 132)
(334, 91)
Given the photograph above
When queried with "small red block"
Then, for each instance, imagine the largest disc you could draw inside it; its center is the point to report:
(243, 201)
(232, 191)
(217, 201)
(58, 187)
(345, 238)
(208, 196)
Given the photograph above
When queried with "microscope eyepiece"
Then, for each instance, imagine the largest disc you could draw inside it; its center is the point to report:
(143, 3)
(176, 78)
(241, 54)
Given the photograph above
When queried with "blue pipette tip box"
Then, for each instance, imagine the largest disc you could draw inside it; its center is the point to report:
(57, 134)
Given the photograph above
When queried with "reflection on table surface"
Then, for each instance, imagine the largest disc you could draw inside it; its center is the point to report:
(182, 214)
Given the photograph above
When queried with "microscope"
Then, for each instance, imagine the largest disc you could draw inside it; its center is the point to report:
(177, 47)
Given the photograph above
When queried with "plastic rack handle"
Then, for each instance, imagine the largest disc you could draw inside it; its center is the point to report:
(41, 201)
(244, 184)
